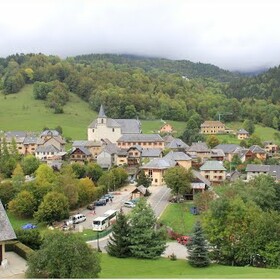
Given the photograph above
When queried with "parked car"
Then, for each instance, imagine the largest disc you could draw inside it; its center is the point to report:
(134, 200)
(129, 204)
(109, 195)
(100, 202)
(105, 198)
(91, 206)
(184, 239)
(76, 219)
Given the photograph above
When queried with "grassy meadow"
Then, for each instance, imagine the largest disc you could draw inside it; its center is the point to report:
(165, 268)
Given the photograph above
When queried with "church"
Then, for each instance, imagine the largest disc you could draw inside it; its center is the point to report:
(104, 128)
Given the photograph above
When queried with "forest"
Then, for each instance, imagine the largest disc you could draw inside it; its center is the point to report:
(147, 88)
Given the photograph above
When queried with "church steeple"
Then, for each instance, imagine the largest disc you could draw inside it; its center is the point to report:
(101, 112)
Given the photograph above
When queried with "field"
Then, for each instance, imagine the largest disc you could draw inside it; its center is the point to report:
(164, 268)
(178, 217)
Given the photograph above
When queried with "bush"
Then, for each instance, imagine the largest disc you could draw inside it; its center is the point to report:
(19, 248)
(30, 238)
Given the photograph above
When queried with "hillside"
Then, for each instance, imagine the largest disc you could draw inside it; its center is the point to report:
(22, 112)
(184, 68)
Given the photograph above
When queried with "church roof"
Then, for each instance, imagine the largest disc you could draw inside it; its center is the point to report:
(6, 230)
(101, 112)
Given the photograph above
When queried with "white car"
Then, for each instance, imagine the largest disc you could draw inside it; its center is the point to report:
(129, 204)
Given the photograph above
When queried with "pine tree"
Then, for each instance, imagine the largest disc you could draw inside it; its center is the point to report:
(143, 180)
(146, 241)
(118, 244)
(197, 248)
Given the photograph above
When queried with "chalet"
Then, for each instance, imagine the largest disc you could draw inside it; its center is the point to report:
(177, 145)
(122, 158)
(254, 170)
(108, 156)
(51, 137)
(212, 127)
(180, 158)
(244, 154)
(217, 154)
(47, 152)
(228, 149)
(198, 184)
(80, 155)
(139, 192)
(199, 150)
(242, 134)
(143, 140)
(166, 128)
(95, 147)
(270, 147)
(6, 232)
(112, 129)
(214, 171)
(259, 152)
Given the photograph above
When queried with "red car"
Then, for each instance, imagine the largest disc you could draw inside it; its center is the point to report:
(184, 239)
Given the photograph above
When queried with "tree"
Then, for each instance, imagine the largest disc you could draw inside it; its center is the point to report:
(30, 238)
(178, 179)
(29, 164)
(86, 191)
(212, 141)
(23, 205)
(118, 244)
(94, 171)
(63, 256)
(254, 140)
(18, 176)
(7, 192)
(143, 180)
(45, 175)
(54, 207)
(197, 248)
(249, 126)
(145, 240)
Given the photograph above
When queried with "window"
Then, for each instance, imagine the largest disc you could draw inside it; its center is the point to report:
(102, 120)
(155, 180)
(150, 173)
(113, 130)
(93, 130)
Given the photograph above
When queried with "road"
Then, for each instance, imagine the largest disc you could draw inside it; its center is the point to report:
(158, 201)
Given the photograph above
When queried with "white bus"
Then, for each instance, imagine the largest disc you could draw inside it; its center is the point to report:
(102, 223)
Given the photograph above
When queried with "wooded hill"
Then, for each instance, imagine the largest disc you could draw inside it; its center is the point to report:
(148, 88)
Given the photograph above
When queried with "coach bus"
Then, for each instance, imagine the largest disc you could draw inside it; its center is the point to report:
(105, 221)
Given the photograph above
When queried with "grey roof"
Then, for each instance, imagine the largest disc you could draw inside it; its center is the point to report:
(122, 152)
(176, 144)
(138, 147)
(151, 152)
(197, 175)
(111, 148)
(242, 131)
(82, 149)
(257, 168)
(199, 147)
(177, 156)
(50, 132)
(30, 140)
(140, 138)
(47, 149)
(212, 165)
(269, 142)
(257, 149)
(85, 143)
(15, 134)
(217, 153)
(141, 189)
(6, 229)
(101, 112)
(227, 148)
(159, 163)
(168, 138)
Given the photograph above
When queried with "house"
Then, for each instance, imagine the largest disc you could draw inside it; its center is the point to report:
(270, 147)
(51, 137)
(228, 149)
(149, 154)
(177, 145)
(254, 170)
(259, 152)
(242, 134)
(198, 184)
(212, 127)
(244, 154)
(44, 153)
(80, 155)
(112, 129)
(108, 156)
(139, 192)
(6, 232)
(166, 128)
(199, 150)
(122, 158)
(180, 158)
(144, 140)
(214, 171)
(95, 147)
(217, 154)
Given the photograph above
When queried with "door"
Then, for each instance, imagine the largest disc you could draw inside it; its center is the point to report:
(1, 253)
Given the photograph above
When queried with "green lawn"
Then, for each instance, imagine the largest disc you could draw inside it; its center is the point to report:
(178, 217)
(165, 268)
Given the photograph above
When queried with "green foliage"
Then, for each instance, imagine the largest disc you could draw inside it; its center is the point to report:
(118, 244)
(143, 179)
(7, 192)
(197, 248)
(212, 141)
(30, 238)
(29, 164)
(54, 207)
(41, 90)
(86, 191)
(22, 250)
(249, 126)
(93, 171)
(272, 254)
(178, 179)
(23, 205)
(145, 240)
(113, 179)
(63, 256)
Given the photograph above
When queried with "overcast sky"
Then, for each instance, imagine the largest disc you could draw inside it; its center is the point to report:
(232, 34)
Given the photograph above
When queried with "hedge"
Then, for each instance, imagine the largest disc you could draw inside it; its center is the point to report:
(19, 248)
